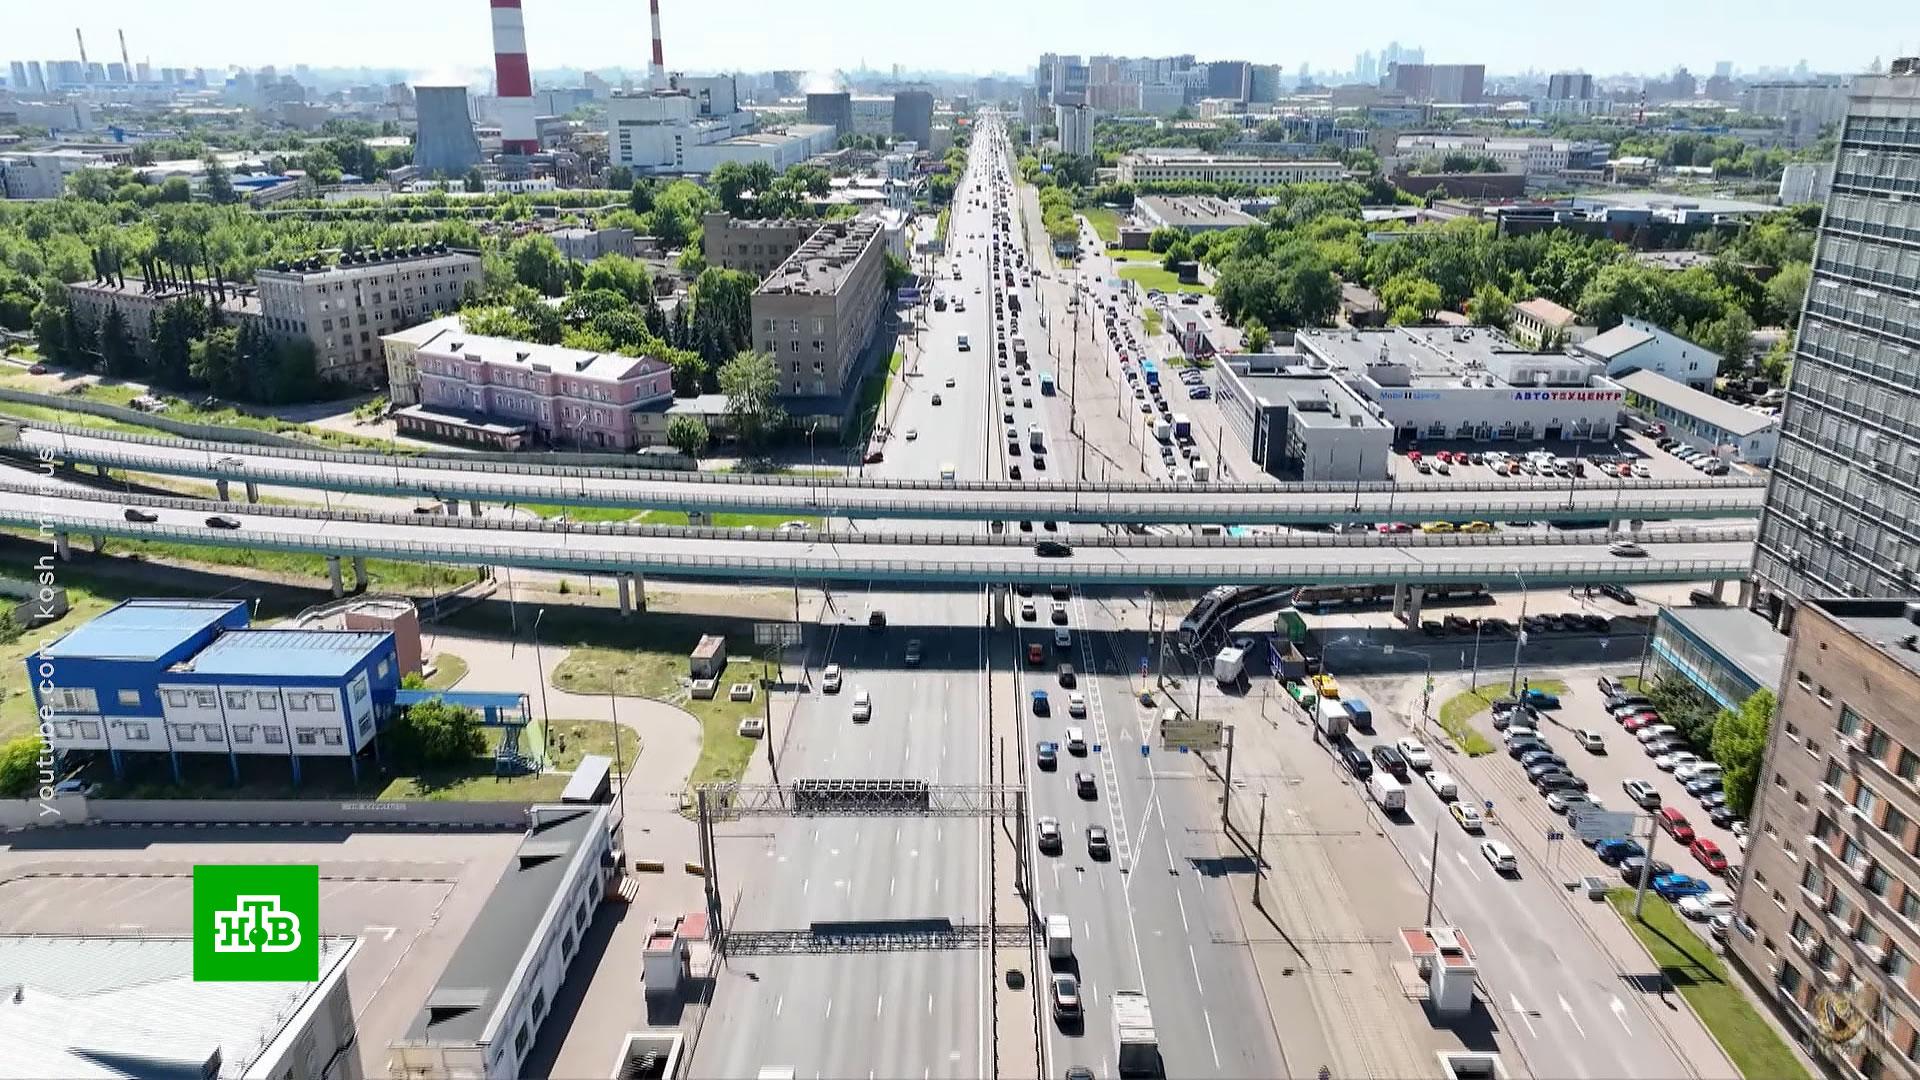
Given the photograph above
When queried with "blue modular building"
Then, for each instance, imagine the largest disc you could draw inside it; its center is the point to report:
(191, 677)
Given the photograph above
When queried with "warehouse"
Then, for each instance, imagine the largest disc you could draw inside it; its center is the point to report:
(1701, 420)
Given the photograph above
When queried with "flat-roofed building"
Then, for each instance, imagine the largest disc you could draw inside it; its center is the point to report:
(1191, 214)
(757, 246)
(557, 395)
(140, 301)
(1301, 424)
(343, 303)
(1149, 166)
(817, 311)
(1698, 419)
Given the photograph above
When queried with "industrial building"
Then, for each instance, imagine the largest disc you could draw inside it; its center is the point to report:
(473, 387)
(140, 301)
(818, 310)
(1830, 899)
(653, 130)
(446, 146)
(345, 302)
(113, 1006)
(485, 1012)
(1843, 515)
(835, 110)
(43, 174)
(514, 106)
(1302, 424)
(1469, 384)
(1191, 214)
(781, 147)
(190, 677)
(1638, 345)
(1700, 420)
(1159, 165)
(1452, 84)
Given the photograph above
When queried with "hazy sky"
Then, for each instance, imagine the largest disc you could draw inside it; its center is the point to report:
(444, 36)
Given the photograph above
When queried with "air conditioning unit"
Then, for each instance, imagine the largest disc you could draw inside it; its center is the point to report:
(1856, 741)
(1834, 978)
(1807, 946)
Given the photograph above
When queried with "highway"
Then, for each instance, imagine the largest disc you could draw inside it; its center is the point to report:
(450, 478)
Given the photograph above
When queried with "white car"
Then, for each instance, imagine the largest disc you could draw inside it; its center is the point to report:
(1670, 762)
(1076, 704)
(1590, 741)
(912, 434)
(862, 706)
(1643, 794)
(1415, 753)
(1705, 906)
(1443, 785)
(1499, 856)
(830, 679)
(1696, 770)
(1561, 800)
(1047, 831)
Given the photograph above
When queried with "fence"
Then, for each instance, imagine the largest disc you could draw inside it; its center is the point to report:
(182, 428)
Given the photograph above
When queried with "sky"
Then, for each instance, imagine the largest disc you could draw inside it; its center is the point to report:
(448, 36)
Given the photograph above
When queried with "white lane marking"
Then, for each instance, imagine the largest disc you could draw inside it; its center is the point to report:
(805, 884)
(1215, 1047)
(1424, 861)
(1466, 864)
(1178, 899)
(1521, 1011)
(1568, 1009)
(1195, 961)
(891, 883)
(1620, 1014)
(929, 1004)
(879, 1000)
(780, 1005)
(386, 932)
(829, 1008)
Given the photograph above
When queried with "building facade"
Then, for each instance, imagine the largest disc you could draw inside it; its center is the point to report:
(1538, 321)
(42, 175)
(1075, 124)
(817, 312)
(832, 109)
(345, 304)
(139, 302)
(1145, 167)
(562, 396)
(1829, 905)
(755, 246)
(1843, 508)
(1638, 345)
(913, 115)
(1302, 425)
(1700, 420)
(400, 349)
(1452, 84)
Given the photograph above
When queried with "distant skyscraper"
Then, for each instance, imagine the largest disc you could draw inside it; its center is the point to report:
(1843, 508)
(1444, 83)
(1571, 86)
(17, 77)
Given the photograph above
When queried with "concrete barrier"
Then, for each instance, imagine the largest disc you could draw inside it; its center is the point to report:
(28, 813)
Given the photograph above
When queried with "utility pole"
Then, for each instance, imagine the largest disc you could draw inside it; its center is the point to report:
(1646, 868)
(1226, 790)
(1260, 849)
(1433, 870)
(766, 699)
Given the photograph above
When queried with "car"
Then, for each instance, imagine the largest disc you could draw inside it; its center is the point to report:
(1649, 733)
(1627, 550)
(1013, 472)
(1703, 906)
(1675, 824)
(1672, 760)
(1641, 793)
(1392, 527)
(1541, 699)
(1609, 686)
(830, 679)
(1632, 868)
(1477, 527)
(950, 382)
(1672, 887)
(1468, 815)
(1519, 748)
(1068, 677)
(1028, 613)
(862, 706)
(1047, 755)
(1708, 854)
(913, 652)
(1636, 722)
(1437, 527)
(1076, 704)
(1057, 613)
(1083, 785)
(1356, 760)
(1617, 701)
(1542, 757)
(1052, 549)
(1566, 801)
(1713, 800)
(1416, 754)
(1559, 781)
(221, 521)
(37, 369)
(1500, 857)
(1723, 816)
(1590, 741)
(1390, 761)
(1619, 593)
(1544, 766)
(1616, 851)
(963, 344)
(1047, 832)
(1443, 785)
(1097, 846)
(1066, 996)
(1041, 705)
(1701, 785)
(145, 517)
(1699, 770)
(1076, 742)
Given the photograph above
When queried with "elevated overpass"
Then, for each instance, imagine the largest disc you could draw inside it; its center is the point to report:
(512, 479)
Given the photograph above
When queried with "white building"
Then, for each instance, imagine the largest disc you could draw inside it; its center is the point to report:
(1636, 345)
(654, 130)
(1805, 182)
(778, 147)
(1154, 166)
(1701, 420)
(344, 304)
(43, 175)
(1535, 157)
(1075, 124)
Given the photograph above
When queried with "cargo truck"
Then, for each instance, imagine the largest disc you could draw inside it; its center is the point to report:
(1183, 428)
(1046, 383)
(1136, 1050)
(1229, 666)
(1387, 791)
(1201, 470)
(1036, 438)
(1163, 431)
(1020, 349)
(1059, 937)
(1331, 717)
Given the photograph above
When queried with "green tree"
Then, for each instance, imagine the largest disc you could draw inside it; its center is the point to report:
(690, 371)
(219, 182)
(731, 183)
(1730, 335)
(722, 319)
(1177, 252)
(1778, 363)
(20, 766)
(1739, 745)
(538, 265)
(1490, 307)
(213, 362)
(434, 733)
(1410, 299)
(1162, 238)
(1255, 337)
(175, 189)
(751, 382)
(628, 277)
(117, 355)
(1786, 290)
(688, 434)
(619, 178)
(640, 198)
(50, 330)
(475, 182)
(898, 272)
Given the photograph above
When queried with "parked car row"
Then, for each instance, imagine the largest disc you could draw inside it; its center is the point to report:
(1709, 463)
(1670, 752)
(1583, 622)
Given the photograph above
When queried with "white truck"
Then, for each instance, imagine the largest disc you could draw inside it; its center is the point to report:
(1163, 431)
(1201, 470)
(1136, 1050)
(1332, 717)
(1387, 791)
(1059, 937)
(1229, 666)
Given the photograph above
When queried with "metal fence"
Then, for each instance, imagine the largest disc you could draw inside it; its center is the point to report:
(255, 440)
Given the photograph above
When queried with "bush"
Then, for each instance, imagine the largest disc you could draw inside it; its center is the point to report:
(436, 733)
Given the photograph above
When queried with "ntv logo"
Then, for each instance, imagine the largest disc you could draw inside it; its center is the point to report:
(256, 923)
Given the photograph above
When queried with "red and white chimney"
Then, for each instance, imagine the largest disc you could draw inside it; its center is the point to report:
(513, 81)
(657, 71)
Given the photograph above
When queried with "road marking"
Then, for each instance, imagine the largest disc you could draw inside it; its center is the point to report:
(1568, 1009)
(1520, 1011)
(829, 1008)
(929, 1004)
(780, 1005)
(805, 884)
(891, 883)
(385, 932)
(1620, 1014)
(1461, 855)
(1178, 899)
(1195, 961)
(1424, 861)
(879, 1000)
(1210, 1043)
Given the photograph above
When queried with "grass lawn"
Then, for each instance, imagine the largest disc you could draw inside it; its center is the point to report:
(1457, 712)
(1132, 256)
(74, 419)
(1106, 223)
(448, 670)
(116, 394)
(1691, 967)
(384, 573)
(1152, 321)
(570, 740)
(1153, 277)
(873, 394)
(17, 716)
(591, 514)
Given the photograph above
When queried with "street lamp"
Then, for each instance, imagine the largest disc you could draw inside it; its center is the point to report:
(540, 670)
(1520, 634)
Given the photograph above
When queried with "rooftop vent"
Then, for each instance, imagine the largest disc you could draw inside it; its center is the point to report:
(1913, 613)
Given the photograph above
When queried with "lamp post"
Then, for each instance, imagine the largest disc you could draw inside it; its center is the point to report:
(1520, 636)
(540, 670)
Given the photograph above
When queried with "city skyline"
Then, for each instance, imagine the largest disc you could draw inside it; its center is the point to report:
(577, 35)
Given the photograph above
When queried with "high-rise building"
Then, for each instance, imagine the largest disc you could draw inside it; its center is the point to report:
(1075, 124)
(1843, 509)
(1263, 83)
(913, 116)
(1569, 86)
(1228, 79)
(1830, 897)
(1444, 83)
(17, 77)
(834, 109)
(1807, 108)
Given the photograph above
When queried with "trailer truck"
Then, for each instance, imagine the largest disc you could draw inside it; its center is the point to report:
(1136, 1050)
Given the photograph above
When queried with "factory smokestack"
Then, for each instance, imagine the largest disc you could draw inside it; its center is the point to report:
(513, 81)
(124, 62)
(83, 47)
(657, 72)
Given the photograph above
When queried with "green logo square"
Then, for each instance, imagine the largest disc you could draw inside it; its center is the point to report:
(256, 923)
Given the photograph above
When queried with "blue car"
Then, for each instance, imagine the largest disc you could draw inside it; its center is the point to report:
(1614, 852)
(1041, 707)
(1540, 699)
(1675, 886)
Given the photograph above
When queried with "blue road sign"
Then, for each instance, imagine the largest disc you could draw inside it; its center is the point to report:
(1144, 750)
(1143, 665)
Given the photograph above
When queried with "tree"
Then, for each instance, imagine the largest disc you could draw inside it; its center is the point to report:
(20, 766)
(175, 189)
(1730, 335)
(751, 382)
(898, 273)
(538, 264)
(722, 320)
(219, 182)
(1177, 252)
(50, 330)
(688, 434)
(1740, 745)
(436, 733)
(628, 277)
(115, 346)
(213, 362)
(1255, 337)
(619, 178)
(475, 182)
(731, 182)
(1162, 238)
(1785, 291)
(1778, 363)
(1410, 299)
(175, 328)
(1490, 307)
(640, 199)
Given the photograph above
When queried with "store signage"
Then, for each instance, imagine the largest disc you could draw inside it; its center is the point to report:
(1567, 395)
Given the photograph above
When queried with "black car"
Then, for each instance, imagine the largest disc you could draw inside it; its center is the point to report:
(1523, 747)
(1618, 592)
(1356, 760)
(1559, 781)
(1067, 677)
(221, 521)
(1539, 763)
(1595, 622)
(1060, 592)
(1723, 816)
(1053, 549)
(145, 517)
(1630, 870)
(1390, 761)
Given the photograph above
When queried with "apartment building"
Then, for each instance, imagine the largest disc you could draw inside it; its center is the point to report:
(758, 247)
(818, 310)
(1535, 157)
(140, 301)
(1829, 905)
(474, 388)
(1156, 166)
(344, 303)
(1843, 511)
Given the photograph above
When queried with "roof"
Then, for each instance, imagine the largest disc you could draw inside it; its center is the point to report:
(507, 353)
(1733, 419)
(824, 261)
(1884, 624)
(513, 921)
(1546, 311)
(309, 653)
(424, 332)
(1743, 638)
(99, 1007)
(142, 629)
(1613, 343)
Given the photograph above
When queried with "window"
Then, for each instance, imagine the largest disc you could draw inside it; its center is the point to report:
(520, 1040)
(330, 736)
(203, 698)
(269, 699)
(382, 670)
(1836, 776)
(272, 735)
(213, 733)
(305, 736)
(68, 699)
(1864, 800)
(236, 699)
(1823, 828)
(539, 1006)
(580, 915)
(1878, 881)
(1897, 963)
(1895, 824)
(1801, 928)
(566, 946)
(183, 732)
(1813, 880)
(64, 729)
(243, 733)
(88, 729)
(1849, 721)
(1800, 677)
(298, 702)
(323, 702)
(1909, 765)
(137, 732)
(1790, 980)
(129, 697)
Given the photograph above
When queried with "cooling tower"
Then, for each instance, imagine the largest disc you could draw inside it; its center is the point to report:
(446, 145)
(513, 80)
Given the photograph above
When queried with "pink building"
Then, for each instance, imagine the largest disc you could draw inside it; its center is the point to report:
(548, 393)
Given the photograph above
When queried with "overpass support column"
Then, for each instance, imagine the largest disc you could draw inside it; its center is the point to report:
(1399, 600)
(220, 489)
(99, 543)
(453, 507)
(360, 581)
(1746, 591)
(1720, 590)
(1414, 595)
(623, 585)
(333, 575)
(473, 508)
(253, 492)
(639, 591)
(61, 548)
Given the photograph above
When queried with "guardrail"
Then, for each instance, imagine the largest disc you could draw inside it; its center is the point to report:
(254, 440)
(1370, 539)
(467, 462)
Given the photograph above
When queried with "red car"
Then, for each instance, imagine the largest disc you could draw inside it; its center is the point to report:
(1676, 825)
(1413, 455)
(1640, 720)
(1395, 527)
(1709, 855)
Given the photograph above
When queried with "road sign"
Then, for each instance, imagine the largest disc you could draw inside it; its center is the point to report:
(1143, 666)
(776, 633)
(1195, 734)
(1555, 834)
(1596, 825)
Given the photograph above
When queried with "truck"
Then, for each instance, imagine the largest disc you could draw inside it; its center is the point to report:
(1201, 470)
(1136, 1050)
(1036, 438)
(1361, 714)
(1387, 791)
(1150, 371)
(1183, 429)
(1020, 349)
(1046, 383)
(1331, 717)
(1163, 431)
(1059, 937)
(1013, 298)
(1229, 666)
